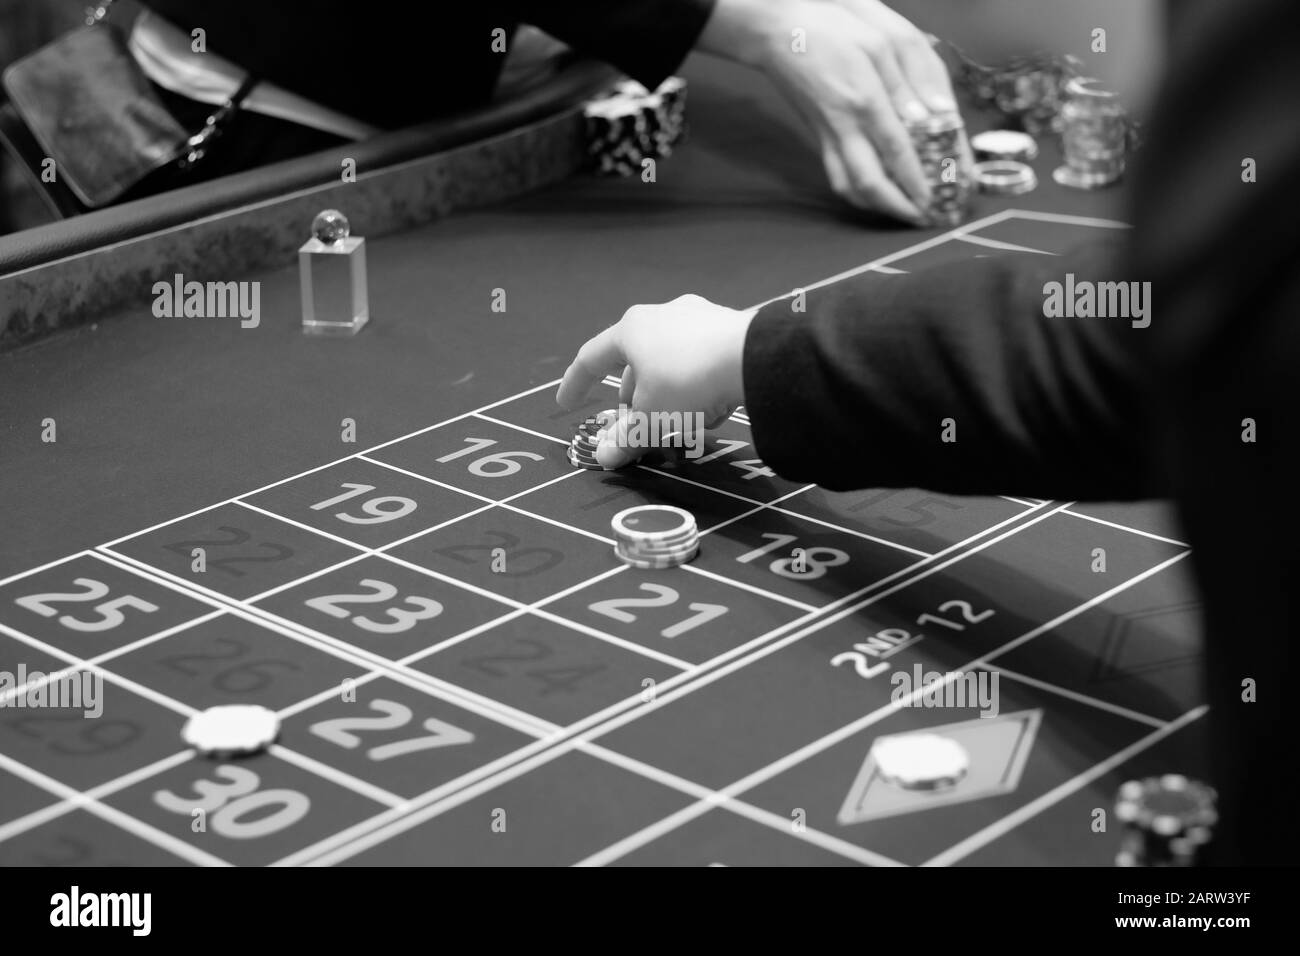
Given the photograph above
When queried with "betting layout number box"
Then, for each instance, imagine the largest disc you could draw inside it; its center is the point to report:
(799, 559)
(232, 660)
(691, 617)
(727, 461)
(556, 814)
(83, 752)
(365, 503)
(547, 669)
(79, 838)
(383, 607)
(234, 551)
(18, 659)
(480, 457)
(255, 810)
(908, 517)
(399, 738)
(86, 606)
(20, 799)
(515, 555)
(593, 498)
(538, 411)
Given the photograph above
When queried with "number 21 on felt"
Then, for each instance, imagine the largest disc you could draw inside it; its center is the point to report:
(664, 597)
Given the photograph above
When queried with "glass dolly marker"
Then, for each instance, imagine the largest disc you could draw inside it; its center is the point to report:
(332, 271)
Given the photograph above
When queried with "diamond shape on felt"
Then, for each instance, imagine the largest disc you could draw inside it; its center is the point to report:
(998, 748)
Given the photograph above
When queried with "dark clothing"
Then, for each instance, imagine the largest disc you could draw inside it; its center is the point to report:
(1036, 403)
(1096, 409)
(395, 66)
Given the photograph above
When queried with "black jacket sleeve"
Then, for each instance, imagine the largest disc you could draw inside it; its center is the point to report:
(871, 384)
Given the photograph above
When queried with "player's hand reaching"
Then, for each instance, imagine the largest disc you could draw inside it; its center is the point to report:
(856, 71)
(681, 356)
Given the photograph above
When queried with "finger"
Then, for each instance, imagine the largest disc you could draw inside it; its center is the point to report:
(926, 73)
(907, 104)
(610, 455)
(836, 174)
(596, 357)
(614, 449)
(627, 386)
(892, 149)
(869, 186)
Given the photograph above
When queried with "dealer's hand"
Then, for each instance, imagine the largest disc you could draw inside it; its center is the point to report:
(855, 71)
(682, 356)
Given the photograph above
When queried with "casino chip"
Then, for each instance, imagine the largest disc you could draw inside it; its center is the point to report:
(231, 730)
(632, 123)
(1166, 820)
(582, 450)
(1005, 176)
(1004, 144)
(655, 536)
(925, 762)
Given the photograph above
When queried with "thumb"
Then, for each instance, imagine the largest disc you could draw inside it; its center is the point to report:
(614, 450)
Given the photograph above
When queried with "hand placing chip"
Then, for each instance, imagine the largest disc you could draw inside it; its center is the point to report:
(683, 356)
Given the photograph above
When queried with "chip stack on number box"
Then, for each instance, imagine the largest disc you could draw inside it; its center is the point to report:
(655, 536)
(582, 450)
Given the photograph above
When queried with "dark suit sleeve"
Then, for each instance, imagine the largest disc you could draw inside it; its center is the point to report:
(646, 40)
(862, 388)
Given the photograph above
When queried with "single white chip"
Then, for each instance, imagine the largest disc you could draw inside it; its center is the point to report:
(1004, 144)
(231, 730)
(921, 761)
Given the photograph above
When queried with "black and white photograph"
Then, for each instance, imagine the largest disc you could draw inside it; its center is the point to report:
(668, 433)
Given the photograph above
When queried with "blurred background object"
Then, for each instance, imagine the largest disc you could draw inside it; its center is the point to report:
(27, 25)
(1132, 60)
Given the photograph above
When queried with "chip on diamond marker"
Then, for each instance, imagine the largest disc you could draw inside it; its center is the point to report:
(231, 730)
(921, 761)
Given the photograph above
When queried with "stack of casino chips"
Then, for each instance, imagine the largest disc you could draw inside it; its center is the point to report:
(655, 536)
(582, 450)
(1004, 166)
(1094, 136)
(940, 144)
(632, 124)
(1166, 820)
